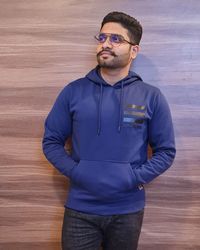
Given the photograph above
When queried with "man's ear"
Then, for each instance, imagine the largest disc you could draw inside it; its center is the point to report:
(135, 50)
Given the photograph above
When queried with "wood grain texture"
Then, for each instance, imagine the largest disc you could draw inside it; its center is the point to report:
(46, 44)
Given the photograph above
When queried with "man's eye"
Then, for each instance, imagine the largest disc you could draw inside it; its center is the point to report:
(116, 39)
(101, 38)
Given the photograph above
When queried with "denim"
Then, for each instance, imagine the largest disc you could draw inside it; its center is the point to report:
(82, 231)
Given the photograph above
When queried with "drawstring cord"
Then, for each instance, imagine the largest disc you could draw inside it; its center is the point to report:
(99, 110)
(121, 106)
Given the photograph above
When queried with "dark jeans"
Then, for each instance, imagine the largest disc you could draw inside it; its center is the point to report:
(83, 231)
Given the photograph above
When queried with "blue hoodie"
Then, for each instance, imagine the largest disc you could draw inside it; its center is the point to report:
(110, 128)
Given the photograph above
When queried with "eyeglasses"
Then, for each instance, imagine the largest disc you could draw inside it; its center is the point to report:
(114, 39)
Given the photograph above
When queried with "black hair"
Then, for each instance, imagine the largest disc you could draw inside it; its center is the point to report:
(130, 23)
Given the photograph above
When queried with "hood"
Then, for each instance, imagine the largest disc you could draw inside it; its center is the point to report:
(95, 76)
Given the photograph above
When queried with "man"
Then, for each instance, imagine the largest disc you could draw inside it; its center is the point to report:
(111, 116)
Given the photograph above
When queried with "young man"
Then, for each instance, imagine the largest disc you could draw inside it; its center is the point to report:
(111, 116)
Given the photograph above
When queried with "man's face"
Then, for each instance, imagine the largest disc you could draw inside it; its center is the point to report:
(114, 57)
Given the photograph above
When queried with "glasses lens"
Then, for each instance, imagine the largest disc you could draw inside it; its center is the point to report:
(101, 37)
(116, 39)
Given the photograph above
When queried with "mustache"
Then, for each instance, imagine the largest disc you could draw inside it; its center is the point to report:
(107, 50)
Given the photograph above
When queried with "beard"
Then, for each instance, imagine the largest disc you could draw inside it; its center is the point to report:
(113, 61)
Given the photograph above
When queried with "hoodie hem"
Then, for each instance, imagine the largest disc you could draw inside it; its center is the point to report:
(132, 202)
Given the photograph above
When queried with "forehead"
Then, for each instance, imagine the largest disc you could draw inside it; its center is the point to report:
(115, 28)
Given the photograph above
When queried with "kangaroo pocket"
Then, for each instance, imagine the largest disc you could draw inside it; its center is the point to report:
(103, 179)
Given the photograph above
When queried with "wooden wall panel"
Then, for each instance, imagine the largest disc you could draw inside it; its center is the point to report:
(46, 44)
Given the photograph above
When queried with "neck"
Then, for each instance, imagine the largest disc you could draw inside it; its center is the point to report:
(111, 76)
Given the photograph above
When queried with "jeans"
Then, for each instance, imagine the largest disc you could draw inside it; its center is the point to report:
(83, 231)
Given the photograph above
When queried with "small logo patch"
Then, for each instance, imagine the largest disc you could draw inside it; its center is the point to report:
(137, 107)
(134, 115)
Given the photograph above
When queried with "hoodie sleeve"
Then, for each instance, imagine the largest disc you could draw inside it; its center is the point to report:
(58, 127)
(161, 140)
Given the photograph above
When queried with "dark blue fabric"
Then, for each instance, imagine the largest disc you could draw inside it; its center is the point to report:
(83, 231)
(110, 127)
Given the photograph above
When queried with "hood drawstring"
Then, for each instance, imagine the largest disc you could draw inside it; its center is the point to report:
(121, 106)
(94, 76)
(100, 109)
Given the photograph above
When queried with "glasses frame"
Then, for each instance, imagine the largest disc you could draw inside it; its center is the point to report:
(108, 35)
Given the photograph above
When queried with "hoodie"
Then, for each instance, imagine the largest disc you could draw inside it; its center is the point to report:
(110, 128)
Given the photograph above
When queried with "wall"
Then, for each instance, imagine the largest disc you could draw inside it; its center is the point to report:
(46, 44)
